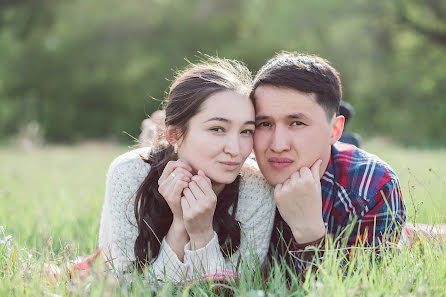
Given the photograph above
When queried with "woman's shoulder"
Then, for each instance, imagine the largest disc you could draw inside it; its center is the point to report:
(131, 163)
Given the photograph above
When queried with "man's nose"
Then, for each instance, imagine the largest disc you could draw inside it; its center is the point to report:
(280, 140)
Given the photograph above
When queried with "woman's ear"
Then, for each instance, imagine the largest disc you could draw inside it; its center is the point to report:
(172, 134)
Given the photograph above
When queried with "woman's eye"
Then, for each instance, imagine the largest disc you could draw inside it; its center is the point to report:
(263, 124)
(218, 129)
(248, 132)
(297, 123)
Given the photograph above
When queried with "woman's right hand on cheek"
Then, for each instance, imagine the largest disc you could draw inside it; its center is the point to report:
(174, 179)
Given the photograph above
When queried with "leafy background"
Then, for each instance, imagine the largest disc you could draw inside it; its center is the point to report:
(90, 69)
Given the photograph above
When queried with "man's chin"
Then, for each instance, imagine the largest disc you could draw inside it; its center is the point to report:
(275, 179)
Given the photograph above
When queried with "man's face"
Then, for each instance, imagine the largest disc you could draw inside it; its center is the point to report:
(292, 131)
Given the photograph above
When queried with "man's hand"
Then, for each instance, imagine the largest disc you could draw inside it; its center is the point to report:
(299, 202)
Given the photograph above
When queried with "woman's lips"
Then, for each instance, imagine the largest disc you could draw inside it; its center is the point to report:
(230, 165)
(280, 162)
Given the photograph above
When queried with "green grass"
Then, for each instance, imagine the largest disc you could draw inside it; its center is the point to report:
(50, 204)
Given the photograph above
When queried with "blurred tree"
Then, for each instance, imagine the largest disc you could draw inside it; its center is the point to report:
(86, 69)
(427, 18)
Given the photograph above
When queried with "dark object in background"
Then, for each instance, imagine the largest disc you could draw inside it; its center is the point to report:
(348, 111)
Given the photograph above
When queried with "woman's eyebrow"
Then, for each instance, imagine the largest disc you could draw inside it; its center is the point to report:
(219, 119)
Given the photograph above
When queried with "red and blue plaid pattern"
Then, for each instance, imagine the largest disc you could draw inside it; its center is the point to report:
(361, 193)
(361, 200)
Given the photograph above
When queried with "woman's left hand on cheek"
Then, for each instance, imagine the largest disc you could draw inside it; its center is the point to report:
(198, 205)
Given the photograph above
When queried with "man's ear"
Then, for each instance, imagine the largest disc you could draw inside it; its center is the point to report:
(172, 134)
(338, 128)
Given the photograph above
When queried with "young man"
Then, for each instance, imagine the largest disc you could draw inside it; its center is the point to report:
(321, 185)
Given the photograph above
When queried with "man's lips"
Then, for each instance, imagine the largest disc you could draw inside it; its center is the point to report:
(276, 162)
(230, 165)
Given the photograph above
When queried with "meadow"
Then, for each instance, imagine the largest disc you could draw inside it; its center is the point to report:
(50, 206)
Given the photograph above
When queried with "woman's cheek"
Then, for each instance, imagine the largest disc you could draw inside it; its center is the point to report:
(247, 146)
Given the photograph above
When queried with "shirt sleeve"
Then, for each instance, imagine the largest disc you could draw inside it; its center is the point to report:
(382, 219)
(207, 259)
(118, 230)
(167, 265)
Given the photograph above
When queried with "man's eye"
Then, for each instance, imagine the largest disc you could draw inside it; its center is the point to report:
(297, 123)
(248, 132)
(263, 124)
(218, 129)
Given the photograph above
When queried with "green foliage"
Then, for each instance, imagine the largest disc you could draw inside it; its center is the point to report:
(87, 69)
(51, 201)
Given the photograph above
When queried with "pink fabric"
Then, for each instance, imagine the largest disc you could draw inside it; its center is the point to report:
(412, 234)
(220, 276)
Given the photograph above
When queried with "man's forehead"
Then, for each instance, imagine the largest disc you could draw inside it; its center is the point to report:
(284, 102)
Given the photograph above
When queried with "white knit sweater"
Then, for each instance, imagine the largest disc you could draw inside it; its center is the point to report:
(118, 231)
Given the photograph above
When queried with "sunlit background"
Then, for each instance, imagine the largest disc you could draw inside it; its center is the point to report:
(76, 70)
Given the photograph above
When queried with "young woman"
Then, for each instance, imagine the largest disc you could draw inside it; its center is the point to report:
(191, 206)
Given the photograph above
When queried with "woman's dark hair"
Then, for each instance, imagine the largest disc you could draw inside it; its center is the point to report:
(187, 93)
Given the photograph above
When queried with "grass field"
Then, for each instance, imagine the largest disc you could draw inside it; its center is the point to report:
(51, 199)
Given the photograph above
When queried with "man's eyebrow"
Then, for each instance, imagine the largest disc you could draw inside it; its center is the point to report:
(290, 116)
(262, 117)
(297, 116)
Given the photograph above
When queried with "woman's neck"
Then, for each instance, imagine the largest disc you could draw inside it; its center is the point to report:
(217, 188)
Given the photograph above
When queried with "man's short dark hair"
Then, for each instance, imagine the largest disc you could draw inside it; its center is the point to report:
(304, 73)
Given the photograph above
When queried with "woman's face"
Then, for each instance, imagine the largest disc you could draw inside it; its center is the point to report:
(219, 137)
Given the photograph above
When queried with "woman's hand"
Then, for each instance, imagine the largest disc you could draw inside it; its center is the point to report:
(198, 204)
(174, 179)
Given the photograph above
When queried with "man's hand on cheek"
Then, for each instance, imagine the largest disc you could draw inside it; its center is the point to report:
(300, 203)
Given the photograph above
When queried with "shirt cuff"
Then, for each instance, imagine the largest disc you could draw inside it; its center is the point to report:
(207, 259)
(167, 265)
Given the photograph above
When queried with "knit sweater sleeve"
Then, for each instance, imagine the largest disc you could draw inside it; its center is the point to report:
(255, 212)
(118, 229)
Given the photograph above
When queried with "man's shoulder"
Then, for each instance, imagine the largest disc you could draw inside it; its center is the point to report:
(359, 172)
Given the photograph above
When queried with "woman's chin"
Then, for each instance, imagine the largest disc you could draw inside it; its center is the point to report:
(223, 179)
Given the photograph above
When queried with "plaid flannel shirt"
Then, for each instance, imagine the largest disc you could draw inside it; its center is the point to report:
(360, 193)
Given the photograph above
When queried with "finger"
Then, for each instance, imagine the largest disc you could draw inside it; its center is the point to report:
(179, 187)
(182, 174)
(196, 191)
(166, 182)
(176, 175)
(295, 175)
(204, 185)
(278, 189)
(166, 172)
(185, 206)
(305, 173)
(316, 170)
(171, 166)
(190, 197)
(201, 173)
